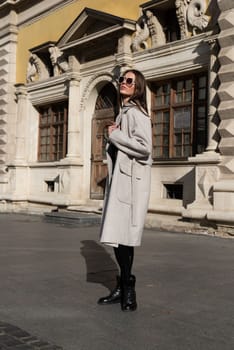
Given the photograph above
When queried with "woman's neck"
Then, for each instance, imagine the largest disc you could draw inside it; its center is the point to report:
(125, 100)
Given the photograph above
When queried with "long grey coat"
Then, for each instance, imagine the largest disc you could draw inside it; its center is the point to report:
(128, 184)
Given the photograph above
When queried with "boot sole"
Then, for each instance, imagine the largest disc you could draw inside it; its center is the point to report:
(130, 308)
(109, 302)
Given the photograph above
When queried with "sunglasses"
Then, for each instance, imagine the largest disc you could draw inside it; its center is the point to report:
(127, 81)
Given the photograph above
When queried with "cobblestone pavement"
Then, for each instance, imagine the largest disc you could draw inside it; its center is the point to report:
(52, 276)
(14, 338)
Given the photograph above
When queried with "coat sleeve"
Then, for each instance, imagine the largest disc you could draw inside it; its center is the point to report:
(138, 142)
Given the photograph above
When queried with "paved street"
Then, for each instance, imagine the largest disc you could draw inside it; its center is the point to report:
(52, 275)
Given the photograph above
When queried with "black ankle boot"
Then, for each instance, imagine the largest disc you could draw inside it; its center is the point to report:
(114, 297)
(129, 295)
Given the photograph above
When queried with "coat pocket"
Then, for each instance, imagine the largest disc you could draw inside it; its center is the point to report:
(124, 185)
(140, 192)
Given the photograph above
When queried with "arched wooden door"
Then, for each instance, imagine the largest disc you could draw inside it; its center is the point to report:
(105, 112)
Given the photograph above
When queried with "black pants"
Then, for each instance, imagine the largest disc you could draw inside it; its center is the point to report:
(124, 256)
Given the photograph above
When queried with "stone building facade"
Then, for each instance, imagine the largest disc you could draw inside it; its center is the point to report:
(59, 65)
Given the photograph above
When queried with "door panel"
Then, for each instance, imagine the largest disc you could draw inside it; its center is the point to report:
(103, 117)
(98, 166)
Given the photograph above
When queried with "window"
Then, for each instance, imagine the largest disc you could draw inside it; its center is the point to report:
(179, 109)
(53, 132)
(174, 191)
(50, 186)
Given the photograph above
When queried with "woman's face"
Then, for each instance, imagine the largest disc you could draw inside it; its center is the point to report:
(127, 88)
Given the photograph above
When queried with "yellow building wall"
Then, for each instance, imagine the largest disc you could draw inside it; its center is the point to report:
(52, 27)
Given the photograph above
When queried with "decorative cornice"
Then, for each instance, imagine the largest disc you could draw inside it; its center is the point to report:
(9, 30)
(20, 6)
(174, 58)
(50, 90)
(12, 4)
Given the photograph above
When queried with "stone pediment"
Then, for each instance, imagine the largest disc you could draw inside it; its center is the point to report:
(94, 26)
(93, 35)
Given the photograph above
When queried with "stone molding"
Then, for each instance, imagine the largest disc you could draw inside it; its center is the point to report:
(225, 74)
(180, 57)
(41, 8)
(93, 81)
(50, 90)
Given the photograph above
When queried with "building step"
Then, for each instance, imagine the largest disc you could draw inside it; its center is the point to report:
(73, 218)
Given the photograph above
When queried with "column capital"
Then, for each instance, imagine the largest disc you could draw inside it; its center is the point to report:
(74, 77)
(74, 134)
(124, 60)
(20, 91)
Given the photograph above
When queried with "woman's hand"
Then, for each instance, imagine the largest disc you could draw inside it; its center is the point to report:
(111, 128)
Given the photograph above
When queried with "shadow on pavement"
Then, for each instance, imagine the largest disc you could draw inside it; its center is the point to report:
(100, 267)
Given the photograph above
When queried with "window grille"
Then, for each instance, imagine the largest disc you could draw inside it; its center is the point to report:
(52, 132)
(179, 117)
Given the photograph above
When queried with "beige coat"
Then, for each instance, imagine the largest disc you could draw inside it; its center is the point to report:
(128, 184)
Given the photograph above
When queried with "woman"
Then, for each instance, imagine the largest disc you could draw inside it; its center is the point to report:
(128, 184)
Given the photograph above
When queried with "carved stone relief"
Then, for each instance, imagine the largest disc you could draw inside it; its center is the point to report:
(156, 31)
(205, 179)
(148, 26)
(191, 14)
(181, 9)
(196, 17)
(141, 35)
(36, 69)
(59, 63)
(96, 78)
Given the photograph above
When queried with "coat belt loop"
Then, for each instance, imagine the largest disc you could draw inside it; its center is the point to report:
(134, 204)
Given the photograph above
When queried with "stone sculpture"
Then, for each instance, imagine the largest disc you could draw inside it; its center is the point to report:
(148, 26)
(196, 17)
(36, 70)
(59, 63)
(155, 28)
(141, 35)
(181, 10)
(191, 13)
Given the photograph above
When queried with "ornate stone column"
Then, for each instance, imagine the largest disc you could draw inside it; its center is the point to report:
(18, 168)
(74, 150)
(21, 124)
(71, 168)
